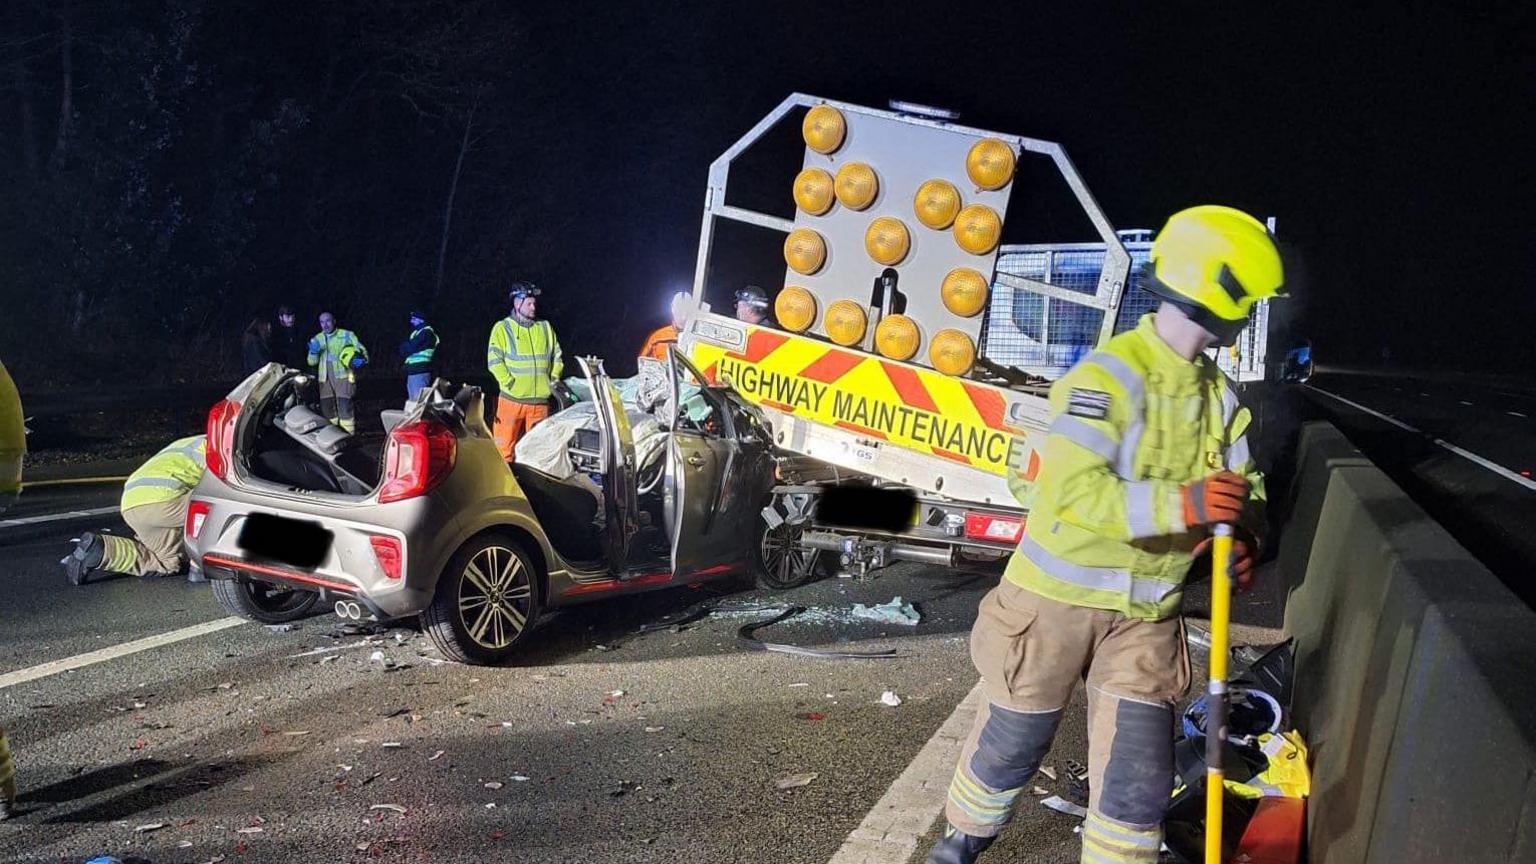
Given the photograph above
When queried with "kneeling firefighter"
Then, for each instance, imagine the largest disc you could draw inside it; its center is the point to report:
(1146, 451)
(154, 505)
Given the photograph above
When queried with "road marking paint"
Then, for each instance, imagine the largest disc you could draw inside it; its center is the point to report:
(91, 658)
(56, 517)
(891, 831)
(1465, 454)
(1515, 414)
(1466, 403)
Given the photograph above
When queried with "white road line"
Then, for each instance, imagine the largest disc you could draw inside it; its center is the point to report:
(56, 517)
(1466, 403)
(891, 831)
(1465, 454)
(1515, 414)
(90, 658)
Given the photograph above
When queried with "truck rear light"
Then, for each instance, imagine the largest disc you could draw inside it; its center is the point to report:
(417, 458)
(387, 550)
(221, 437)
(197, 514)
(992, 528)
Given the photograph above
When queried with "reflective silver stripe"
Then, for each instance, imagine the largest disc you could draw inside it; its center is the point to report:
(1123, 374)
(1229, 404)
(1238, 454)
(1136, 390)
(1141, 509)
(1084, 435)
(1109, 579)
(159, 482)
(1125, 461)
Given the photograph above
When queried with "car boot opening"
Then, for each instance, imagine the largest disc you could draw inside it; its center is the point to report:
(296, 446)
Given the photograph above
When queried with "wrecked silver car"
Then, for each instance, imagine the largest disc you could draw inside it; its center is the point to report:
(430, 522)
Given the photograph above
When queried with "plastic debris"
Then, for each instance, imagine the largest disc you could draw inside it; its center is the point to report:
(1040, 790)
(250, 829)
(1048, 771)
(494, 784)
(890, 699)
(152, 826)
(795, 781)
(281, 628)
(1062, 805)
(394, 808)
(436, 756)
(392, 745)
(654, 728)
(519, 778)
(105, 859)
(897, 611)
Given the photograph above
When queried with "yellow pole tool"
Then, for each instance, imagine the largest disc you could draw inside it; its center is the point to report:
(1216, 689)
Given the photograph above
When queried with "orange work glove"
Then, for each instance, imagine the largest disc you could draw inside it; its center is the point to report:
(1244, 559)
(1217, 498)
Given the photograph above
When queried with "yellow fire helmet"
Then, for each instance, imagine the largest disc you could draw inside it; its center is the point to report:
(1214, 262)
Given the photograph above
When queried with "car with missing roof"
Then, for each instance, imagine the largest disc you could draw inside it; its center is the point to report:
(427, 521)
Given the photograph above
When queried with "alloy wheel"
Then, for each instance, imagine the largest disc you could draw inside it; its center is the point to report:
(495, 597)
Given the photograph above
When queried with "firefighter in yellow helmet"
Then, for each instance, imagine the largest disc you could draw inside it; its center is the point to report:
(13, 446)
(337, 354)
(154, 505)
(1146, 450)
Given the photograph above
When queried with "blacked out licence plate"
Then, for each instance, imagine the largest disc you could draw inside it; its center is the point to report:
(287, 541)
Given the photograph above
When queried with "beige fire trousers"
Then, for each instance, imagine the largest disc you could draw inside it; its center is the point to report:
(1031, 652)
(155, 546)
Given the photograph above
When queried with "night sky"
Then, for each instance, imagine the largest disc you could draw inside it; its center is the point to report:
(1392, 147)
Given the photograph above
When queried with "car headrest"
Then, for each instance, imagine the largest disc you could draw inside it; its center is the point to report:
(332, 439)
(301, 420)
(391, 418)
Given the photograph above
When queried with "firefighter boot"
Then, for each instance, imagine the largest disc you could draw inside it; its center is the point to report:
(89, 552)
(956, 847)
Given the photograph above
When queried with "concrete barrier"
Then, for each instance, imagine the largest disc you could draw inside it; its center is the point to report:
(1415, 675)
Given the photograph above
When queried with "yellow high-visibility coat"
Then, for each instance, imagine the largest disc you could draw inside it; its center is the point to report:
(1131, 425)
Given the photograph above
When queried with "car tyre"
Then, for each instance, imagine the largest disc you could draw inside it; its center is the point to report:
(264, 602)
(783, 564)
(486, 602)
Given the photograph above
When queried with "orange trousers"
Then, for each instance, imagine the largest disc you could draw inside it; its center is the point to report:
(512, 420)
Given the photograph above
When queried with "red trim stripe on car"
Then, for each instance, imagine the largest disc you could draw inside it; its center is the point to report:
(289, 575)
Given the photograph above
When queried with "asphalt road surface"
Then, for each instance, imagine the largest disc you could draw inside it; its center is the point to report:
(604, 744)
(1463, 447)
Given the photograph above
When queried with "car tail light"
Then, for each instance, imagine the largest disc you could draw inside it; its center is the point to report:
(197, 514)
(221, 437)
(997, 529)
(417, 458)
(387, 550)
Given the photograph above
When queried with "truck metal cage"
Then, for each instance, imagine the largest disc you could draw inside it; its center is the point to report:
(1043, 336)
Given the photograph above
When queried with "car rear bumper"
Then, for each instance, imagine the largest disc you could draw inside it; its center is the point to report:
(350, 568)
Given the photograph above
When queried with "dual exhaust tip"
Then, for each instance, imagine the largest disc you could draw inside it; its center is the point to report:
(349, 610)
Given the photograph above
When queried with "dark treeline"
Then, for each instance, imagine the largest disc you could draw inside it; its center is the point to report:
(170, 169)
(173, 168)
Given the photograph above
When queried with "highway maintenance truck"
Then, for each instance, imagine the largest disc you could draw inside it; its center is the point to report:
(904, 382)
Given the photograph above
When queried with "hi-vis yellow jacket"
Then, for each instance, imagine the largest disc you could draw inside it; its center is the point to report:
(1131, 425)
(172, 472)
(13, 437)
(525, 358)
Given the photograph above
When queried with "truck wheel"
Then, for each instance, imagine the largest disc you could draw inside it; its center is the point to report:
(486, 602)
(264, 602)
(782, 563)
